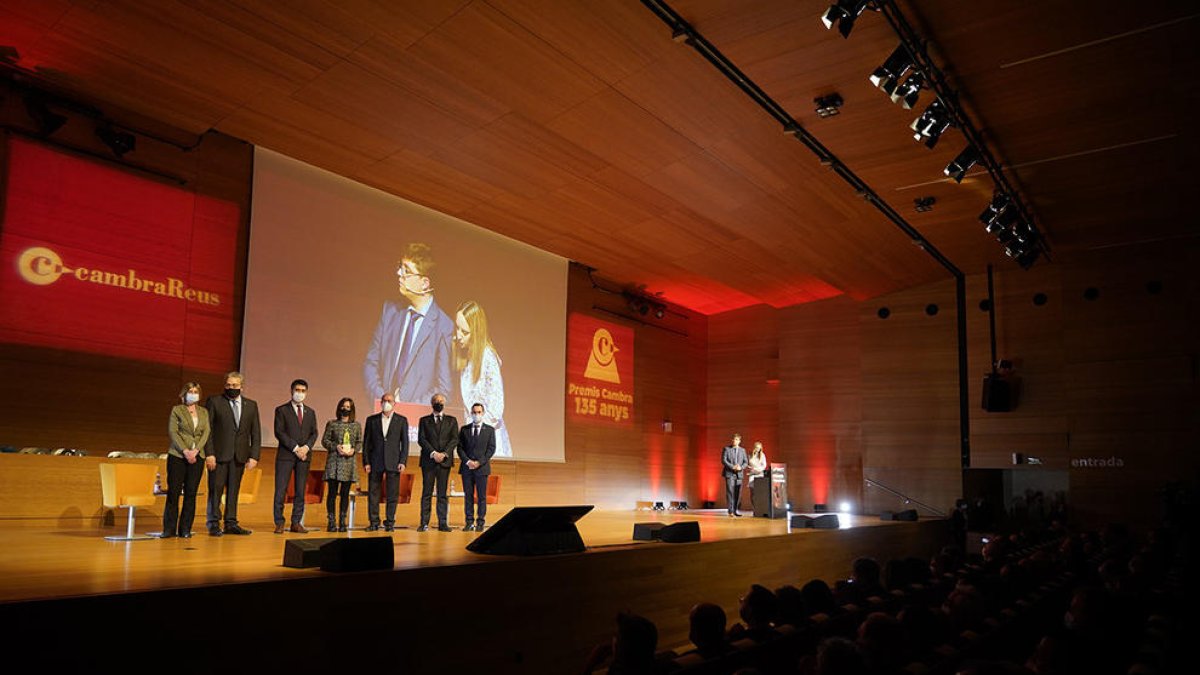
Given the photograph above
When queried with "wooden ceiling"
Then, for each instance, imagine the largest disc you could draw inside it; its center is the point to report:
(580, 127)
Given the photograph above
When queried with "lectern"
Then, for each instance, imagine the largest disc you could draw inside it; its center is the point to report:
(769, 493)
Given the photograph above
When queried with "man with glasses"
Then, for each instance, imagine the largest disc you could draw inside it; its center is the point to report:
(410, 353)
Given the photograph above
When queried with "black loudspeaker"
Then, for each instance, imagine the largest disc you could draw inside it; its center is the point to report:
(679, 533)
(647, 531)
(533, 530)
(997, 394)
(303, 552)
(909, 515)
(828, 521)
(358, 555)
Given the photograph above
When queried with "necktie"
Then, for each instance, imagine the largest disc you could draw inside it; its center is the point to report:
(405, 348)
(476, 427)
(300, 413)
(237, 412)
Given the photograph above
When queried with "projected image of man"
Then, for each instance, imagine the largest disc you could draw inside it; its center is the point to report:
(410, 353)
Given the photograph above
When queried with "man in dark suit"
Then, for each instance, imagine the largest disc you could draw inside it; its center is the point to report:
(733, 462)
(385, 451)
(410, 352)
(476, 445)
(296, 431)
(437, 434)
(233, 446)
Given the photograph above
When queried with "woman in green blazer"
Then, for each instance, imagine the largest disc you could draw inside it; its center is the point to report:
(188, 428)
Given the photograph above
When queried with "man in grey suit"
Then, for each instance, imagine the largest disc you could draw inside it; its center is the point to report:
(385, 452)
(476, 445)
(233, 446)
(410, 353)
(733, 462)
(437, 434)
(296, 431)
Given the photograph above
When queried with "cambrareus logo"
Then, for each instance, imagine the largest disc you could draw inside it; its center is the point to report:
(602, 363)
(41, 266)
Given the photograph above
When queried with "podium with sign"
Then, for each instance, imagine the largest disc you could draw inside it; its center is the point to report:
(769, 493)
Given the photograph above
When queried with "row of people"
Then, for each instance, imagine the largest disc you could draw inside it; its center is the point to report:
(735, 464)
(224, 436)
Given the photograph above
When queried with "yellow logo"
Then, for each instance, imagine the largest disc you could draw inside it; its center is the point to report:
(602, 363)
(41, 266)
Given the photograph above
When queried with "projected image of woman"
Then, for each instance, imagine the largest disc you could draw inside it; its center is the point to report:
(479, 365)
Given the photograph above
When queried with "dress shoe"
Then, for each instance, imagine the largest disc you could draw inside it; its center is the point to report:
(330, 525)
(186, 535)
(299, 528)
(479, 526)
(215, 532)
(279, 529)
(237, 529)
(469, 528)
(166, 535)
(373, 527)
(389, 528)
(422, 528)
(342, 528)
(444, 528)
(736, 514)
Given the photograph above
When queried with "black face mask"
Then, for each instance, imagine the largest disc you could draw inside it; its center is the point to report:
(233, 393)
(345, 412)
(438, 407)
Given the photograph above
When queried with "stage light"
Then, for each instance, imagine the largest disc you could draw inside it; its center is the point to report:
(999, 203)
(119, 142)
(887, 76)
(924, 204)
(908, 93)
(820, 508)
(47, 121)
(658, 506)
(930, 125)
(844, 507)
(844, 13)
(709, 504)
(828, 105)
(659, 311)
(966, 159)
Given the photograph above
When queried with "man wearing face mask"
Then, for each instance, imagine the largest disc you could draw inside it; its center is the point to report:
(437, 434)
(233, 446)
(385, 451)
(476, 445)
(410, 352)
(296, 431)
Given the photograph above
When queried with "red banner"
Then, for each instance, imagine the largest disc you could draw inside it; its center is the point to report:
(98, 260)
(599, 371)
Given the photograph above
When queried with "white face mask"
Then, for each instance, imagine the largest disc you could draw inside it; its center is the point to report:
(298, 396)
(477, 418)
(191, 397)
(387, 406)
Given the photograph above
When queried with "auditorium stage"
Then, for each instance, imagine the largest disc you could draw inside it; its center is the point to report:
(522, 615)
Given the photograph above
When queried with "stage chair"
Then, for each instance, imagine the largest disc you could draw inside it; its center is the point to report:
(406, 487)
(128, 486)
(493, 489)
(314, 489)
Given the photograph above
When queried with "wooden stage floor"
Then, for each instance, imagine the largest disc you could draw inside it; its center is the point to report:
(36, 564)
(70, 596)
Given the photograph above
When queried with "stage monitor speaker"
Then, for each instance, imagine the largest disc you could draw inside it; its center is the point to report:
(533, 530)
(679, 533)
(910, 515)
(648, 531)
(303, 553)
(358, 555)
(828, 521)
(997, 394)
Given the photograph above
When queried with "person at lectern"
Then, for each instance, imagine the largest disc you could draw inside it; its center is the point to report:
(437, 434)
(733, 463)
(188, 429)
(296, 432)
(233, 446)
(479, 365)
(410, 353)
(343, 439)
(476, 445)
(385, 452)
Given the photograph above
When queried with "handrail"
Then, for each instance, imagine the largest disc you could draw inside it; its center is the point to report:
(906, 498)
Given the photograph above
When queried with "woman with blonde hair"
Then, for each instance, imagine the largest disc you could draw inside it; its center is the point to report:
(479, 366)
(188, 430)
